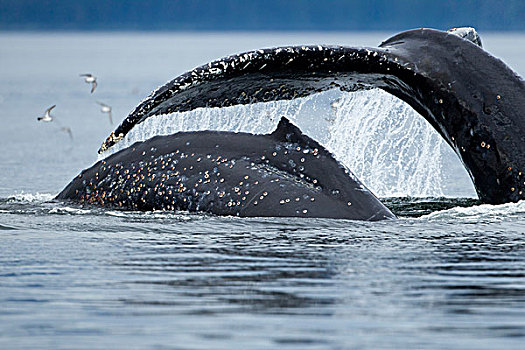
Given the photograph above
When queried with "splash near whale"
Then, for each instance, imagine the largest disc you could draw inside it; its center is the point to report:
(285, 173)
(474, 101)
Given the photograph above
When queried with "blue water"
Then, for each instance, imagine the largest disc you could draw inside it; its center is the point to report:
(449, 274)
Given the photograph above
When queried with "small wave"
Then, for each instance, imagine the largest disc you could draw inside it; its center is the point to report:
(70, 210)
(482, 211)
(127, 214)
(31, 197)
(6, 228)
(170, 215)
(150, 215)
(116, 213)
(27, 203)
(420, 206)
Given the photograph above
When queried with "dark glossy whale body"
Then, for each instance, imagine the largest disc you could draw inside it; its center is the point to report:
(282, 174)
(472, 99)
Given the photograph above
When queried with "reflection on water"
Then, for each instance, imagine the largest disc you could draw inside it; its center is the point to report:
(194, 281)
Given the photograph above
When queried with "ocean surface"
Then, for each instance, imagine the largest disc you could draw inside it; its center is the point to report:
(448, 274)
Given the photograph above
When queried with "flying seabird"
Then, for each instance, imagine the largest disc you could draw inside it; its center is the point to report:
(47, 116)
(90, 79)
(106, 109)
(68, 130)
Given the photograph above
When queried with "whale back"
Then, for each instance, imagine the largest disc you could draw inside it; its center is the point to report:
(284, 173)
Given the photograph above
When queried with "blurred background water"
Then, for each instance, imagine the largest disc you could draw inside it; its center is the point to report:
(448, 274)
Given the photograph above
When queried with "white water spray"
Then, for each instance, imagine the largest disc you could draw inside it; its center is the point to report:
(388, 146)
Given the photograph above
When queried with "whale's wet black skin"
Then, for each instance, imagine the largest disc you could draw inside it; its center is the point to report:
(285, 173)
(471, 98)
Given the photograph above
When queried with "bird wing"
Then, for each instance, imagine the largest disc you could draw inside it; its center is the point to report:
(93, 86)
(86, 75)
(102, 104)
(110, 118)
(68, 130)
(50, 108)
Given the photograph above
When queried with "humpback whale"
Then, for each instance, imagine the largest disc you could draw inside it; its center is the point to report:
(474, 101)
(285, 173)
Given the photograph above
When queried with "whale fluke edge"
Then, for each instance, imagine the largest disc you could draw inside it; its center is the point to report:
(474, 101)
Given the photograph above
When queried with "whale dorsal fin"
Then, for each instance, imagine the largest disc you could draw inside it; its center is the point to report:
(288, 132)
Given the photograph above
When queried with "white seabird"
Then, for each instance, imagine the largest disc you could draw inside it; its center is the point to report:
(106, 109)
(47, 116)
(90, 79)
(68, 130)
